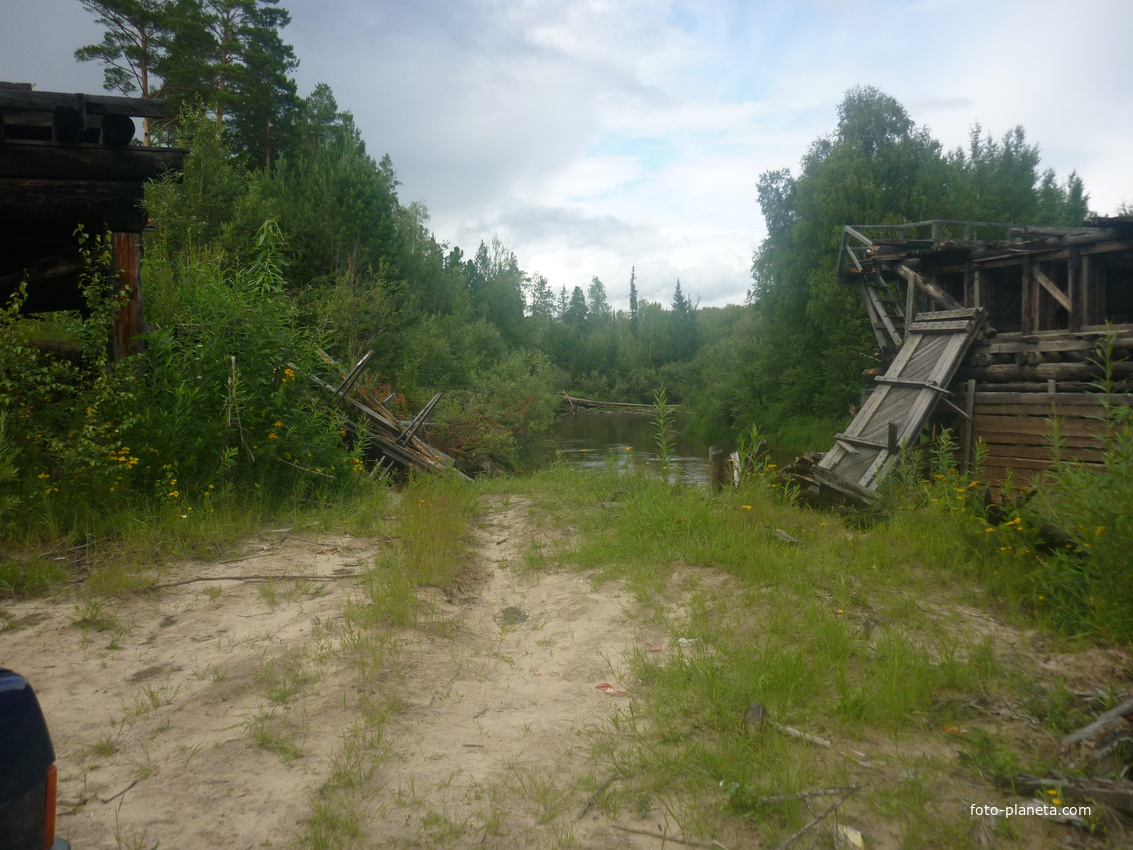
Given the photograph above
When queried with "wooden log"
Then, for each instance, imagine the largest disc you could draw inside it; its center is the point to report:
(1043, 398)
(116, 131)
(1046, 371)
(574, 401)
(1053, 408)
(43, 160)
(1009, 452)
(717, 468)
(100, 204)
(1107, 743)
(1053, 342)
(96, 104)
(126, 259)
(1115, 793)
(966, 440)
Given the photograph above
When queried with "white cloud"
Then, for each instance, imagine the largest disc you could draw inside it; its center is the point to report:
(596, 135)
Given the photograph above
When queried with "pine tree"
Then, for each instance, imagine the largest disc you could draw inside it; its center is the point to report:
(599, 305)
(132, 47)
(252, 91)
(633, 300)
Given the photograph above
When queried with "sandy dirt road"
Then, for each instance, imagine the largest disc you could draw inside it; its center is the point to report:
(207, 712)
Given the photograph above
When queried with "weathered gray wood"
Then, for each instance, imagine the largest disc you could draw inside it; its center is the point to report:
(355, 373)
(875, 321)
(907, 393)
(966, 428)
(901, 382)
(1044, 399)
(420, 419)
(890, 328)
(945, 327)
(1047, 371)
(1046, 283)
(1115, 793)
(717, 463)
(44, 160)
(931, 289)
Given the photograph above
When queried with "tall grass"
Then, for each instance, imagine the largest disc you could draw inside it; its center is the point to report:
(1086, 585)
(431, 517)
(842, 635)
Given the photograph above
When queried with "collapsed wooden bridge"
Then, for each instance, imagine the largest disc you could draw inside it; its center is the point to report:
(390, 444)
(997, 331)
(575, 404)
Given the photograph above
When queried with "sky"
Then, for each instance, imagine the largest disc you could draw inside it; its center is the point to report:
(595, 136)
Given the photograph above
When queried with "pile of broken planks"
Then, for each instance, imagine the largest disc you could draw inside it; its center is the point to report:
(389, 443)
(1104, 751)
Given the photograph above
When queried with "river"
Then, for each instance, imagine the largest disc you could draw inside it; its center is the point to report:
(626, 440)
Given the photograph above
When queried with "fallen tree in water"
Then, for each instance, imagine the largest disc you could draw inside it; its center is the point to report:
(575, 403)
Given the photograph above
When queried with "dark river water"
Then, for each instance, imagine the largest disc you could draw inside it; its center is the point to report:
(625, 440)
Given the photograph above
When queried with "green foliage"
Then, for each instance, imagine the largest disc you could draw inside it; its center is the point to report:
(218, 402)
(846, 636)
(8, 468)
(227, 385)
(802, 352)
(224, 54)
(663, 436)
(1087, 584)
(507, 405)
(192, 210)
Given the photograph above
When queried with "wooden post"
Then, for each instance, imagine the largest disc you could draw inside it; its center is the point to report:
(910, 305)
(1073, 289)
(1030, 298)
(126, 260)
(717, 462)
(966, 437)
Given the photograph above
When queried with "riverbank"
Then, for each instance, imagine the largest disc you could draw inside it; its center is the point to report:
(573, 659)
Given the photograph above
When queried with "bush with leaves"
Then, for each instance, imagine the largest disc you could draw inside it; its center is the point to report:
(221, 399)
(1087, 584)
(67, 413)
(227, 388)
(509, 405)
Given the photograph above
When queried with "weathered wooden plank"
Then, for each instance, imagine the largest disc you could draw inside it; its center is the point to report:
(98, 104)
(938, 327)
(1044, 452)
(1064, 411)
(1020, 463)
(864, 240)
(1013, 372)
(1033, 425)
(968, 412)
(418, 420)
(901, 382)
(931, 289)
(1047, 345)
(44, 160)
(1049, 285)
(894, 413)
(1045, 399)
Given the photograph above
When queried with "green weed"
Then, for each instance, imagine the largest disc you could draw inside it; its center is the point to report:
(272, 735)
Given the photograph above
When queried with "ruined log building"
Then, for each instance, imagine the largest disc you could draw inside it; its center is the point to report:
(67, 160)
(994, 330)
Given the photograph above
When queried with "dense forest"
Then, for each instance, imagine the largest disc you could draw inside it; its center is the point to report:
(286, 235)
